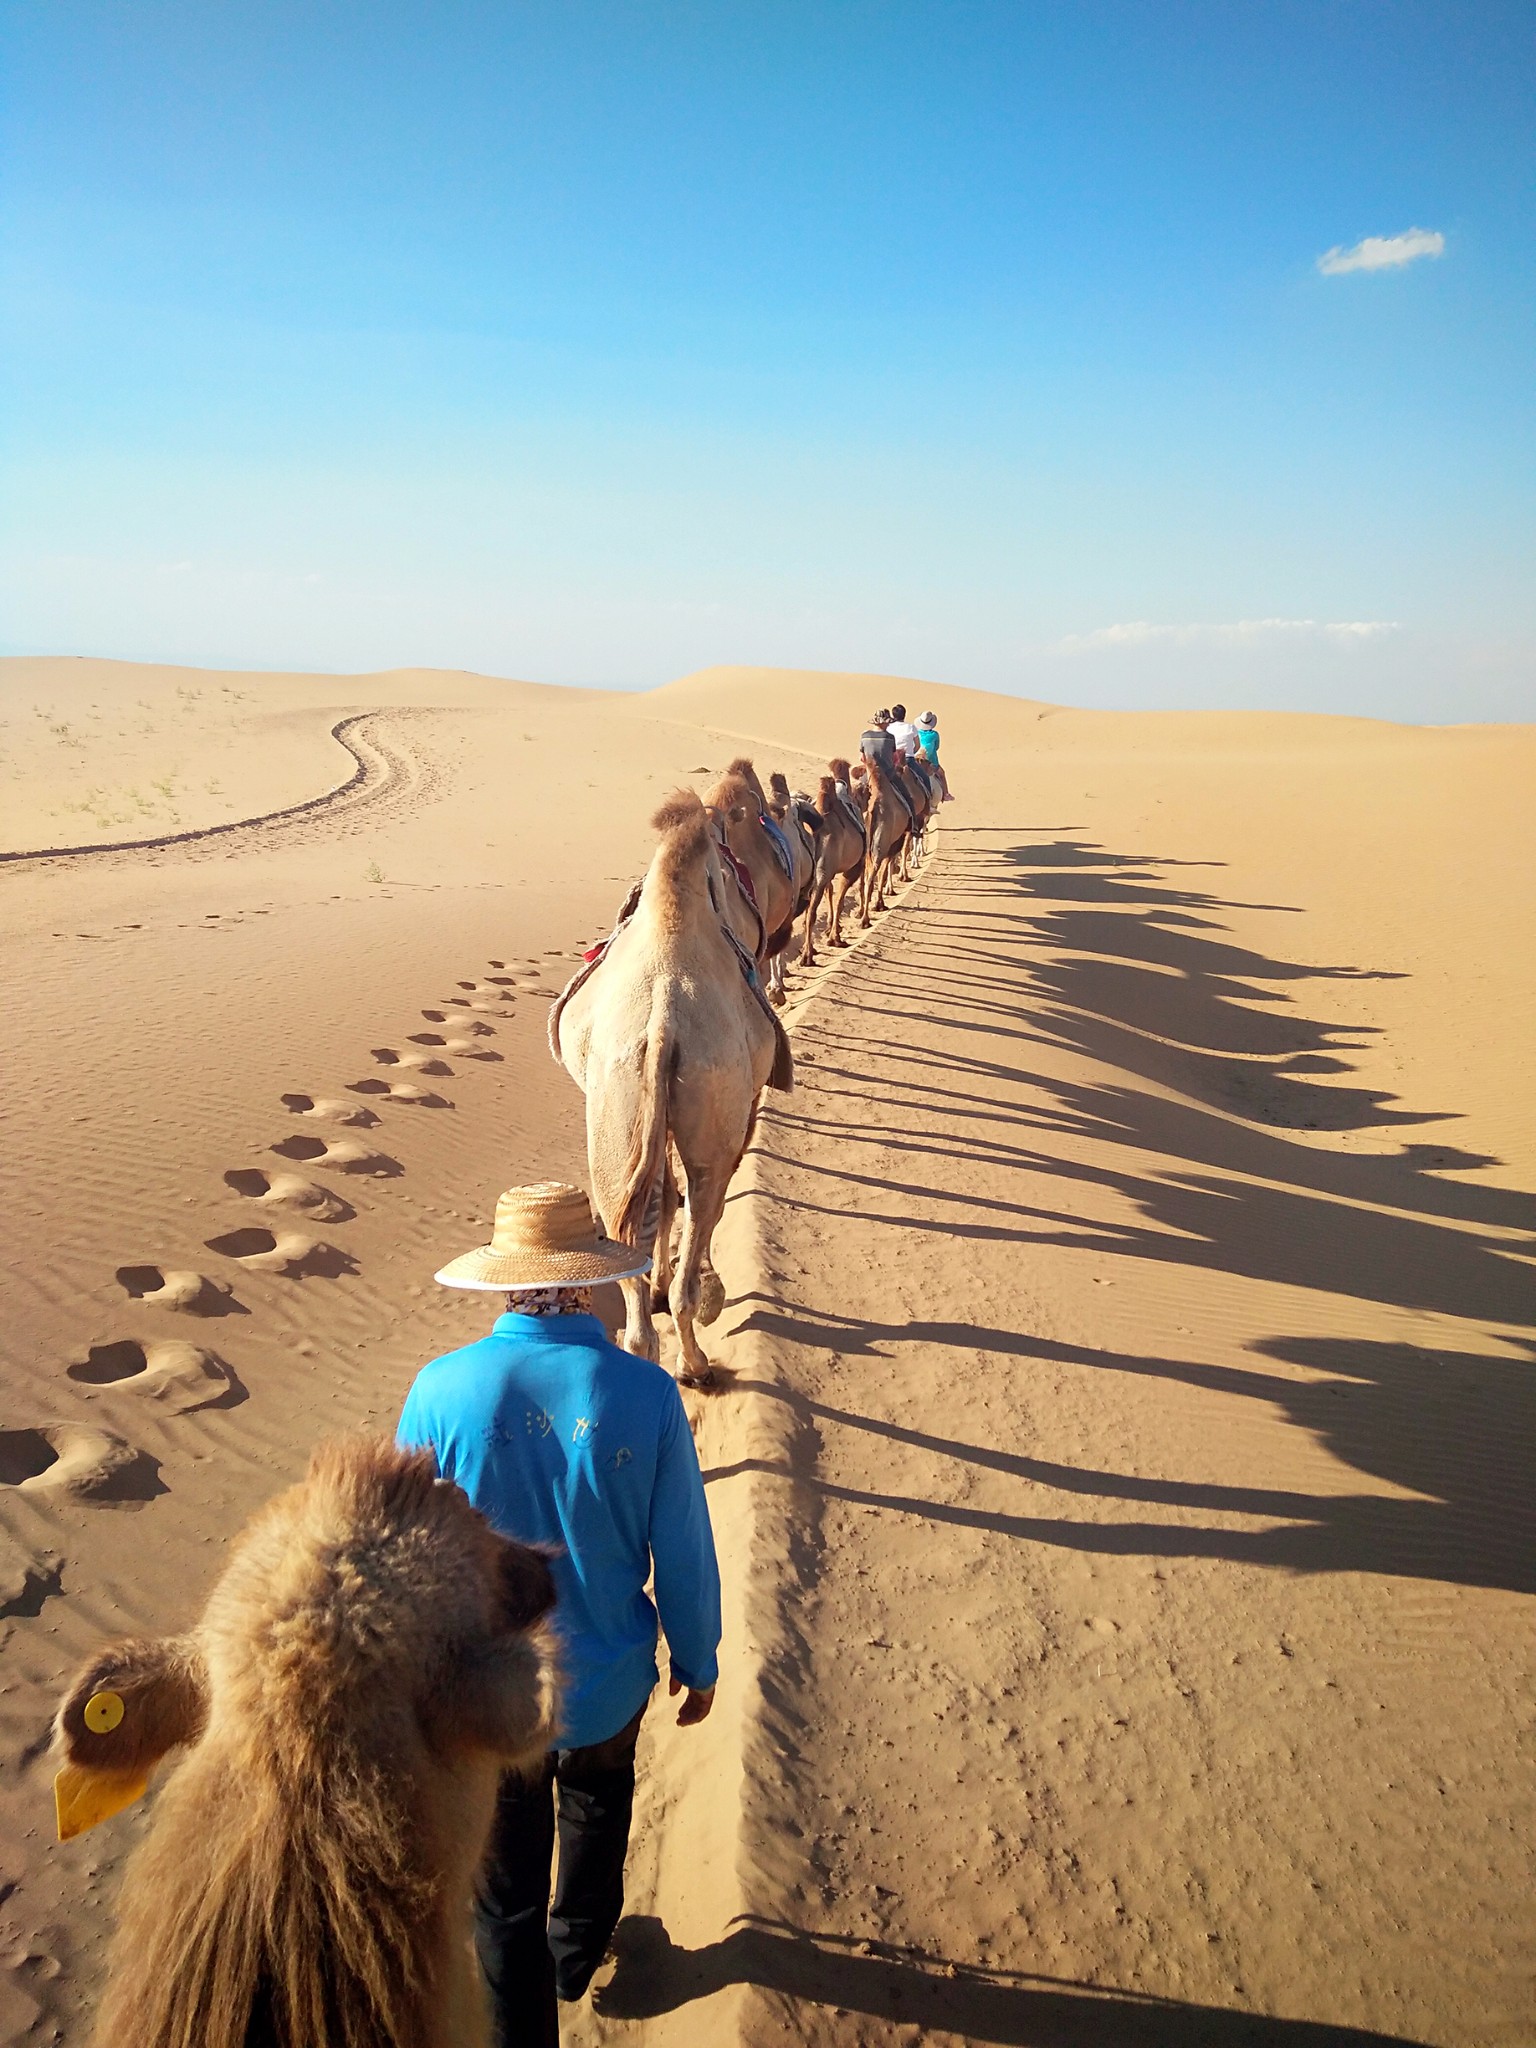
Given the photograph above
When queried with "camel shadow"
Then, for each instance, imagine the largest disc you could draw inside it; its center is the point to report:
(1458, 1428)
(1143, 979)
(1196, 1130)
(910, 1987)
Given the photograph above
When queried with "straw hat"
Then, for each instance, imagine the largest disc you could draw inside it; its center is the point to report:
(544, 1236)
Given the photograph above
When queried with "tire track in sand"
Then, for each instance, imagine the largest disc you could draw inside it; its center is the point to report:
(390, 775)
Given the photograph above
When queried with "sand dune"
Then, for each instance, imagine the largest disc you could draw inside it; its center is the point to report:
(1123, 1481)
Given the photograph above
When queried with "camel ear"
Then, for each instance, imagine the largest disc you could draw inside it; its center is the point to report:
(130, 1706)
(503, 1696)
(527, 1586)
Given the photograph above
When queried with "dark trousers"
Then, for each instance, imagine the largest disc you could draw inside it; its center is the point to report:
(532, 1952)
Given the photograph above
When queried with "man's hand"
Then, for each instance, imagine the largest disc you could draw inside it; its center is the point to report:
(695, 1708)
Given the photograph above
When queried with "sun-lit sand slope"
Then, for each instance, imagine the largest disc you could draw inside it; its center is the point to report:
(1123, 1476)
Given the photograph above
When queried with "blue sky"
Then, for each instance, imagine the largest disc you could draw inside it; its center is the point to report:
(597, 342)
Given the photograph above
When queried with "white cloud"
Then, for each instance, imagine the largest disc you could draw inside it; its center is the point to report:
(1383, 252)
(1237, 632)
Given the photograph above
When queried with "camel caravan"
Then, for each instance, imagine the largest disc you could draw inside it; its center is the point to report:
(416, 1653)
(670, 1030)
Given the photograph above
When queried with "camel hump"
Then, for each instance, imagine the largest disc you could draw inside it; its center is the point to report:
(682, 809)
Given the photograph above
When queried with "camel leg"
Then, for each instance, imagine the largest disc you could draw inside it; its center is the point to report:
(639, 1331)
(841, 884)
(706, 1201)
(661, 1257)
(711, 1293)
(808, 949)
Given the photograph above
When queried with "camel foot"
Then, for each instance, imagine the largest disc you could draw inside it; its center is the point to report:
(711, 1299)
(776, 997)
(660, 1305)
(705, 1381)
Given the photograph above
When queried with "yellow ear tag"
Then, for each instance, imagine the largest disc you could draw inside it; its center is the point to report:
(103, 1712)
(82, 1797)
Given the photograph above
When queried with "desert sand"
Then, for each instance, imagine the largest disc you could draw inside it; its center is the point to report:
(1122, 1469)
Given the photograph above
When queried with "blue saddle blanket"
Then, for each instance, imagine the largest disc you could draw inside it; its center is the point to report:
(779, 843)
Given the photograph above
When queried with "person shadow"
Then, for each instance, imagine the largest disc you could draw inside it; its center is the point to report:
(911, 1987)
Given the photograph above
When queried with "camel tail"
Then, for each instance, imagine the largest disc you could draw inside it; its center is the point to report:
(783, 1074)
(639, 1212)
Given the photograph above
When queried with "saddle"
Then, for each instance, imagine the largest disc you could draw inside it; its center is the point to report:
(850, 809)
(780, 845)
(906, 802)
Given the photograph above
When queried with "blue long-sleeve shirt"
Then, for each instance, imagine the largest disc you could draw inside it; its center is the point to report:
(560, 1438)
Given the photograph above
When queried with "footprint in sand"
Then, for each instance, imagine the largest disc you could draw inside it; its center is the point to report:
(27, 1579)
(75, 1459)
(401, 1091)
(289, 1252)
(496, 1002)
(462, 1047)
(329, 1110)
(290, 1191)
(179, 1377)
(419, 1062)
(194, 1294)
(346, 1155)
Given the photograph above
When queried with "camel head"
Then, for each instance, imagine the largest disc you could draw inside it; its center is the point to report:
(734, 800)
(742, 768)
(369, 1608)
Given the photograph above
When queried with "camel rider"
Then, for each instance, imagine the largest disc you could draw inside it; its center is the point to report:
(928, 740)
(564, 1441)
(905, 737)
(877, 746)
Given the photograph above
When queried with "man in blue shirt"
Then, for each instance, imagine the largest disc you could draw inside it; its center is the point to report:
(562, 1439)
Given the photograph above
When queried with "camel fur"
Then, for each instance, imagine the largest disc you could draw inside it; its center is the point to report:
(672, 1048)
(370, 1660)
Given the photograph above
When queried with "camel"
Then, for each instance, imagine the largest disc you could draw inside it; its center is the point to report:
(801, 820)
(887, 825)
(915, 845)
(672, 1045)
(740, 806)
(839, 859)
(371, 1658)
